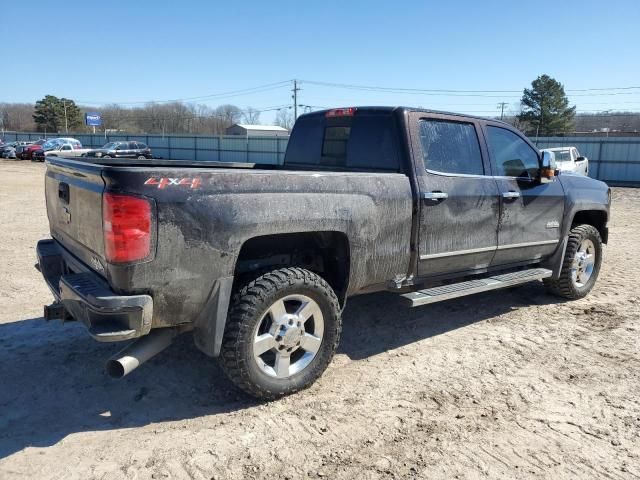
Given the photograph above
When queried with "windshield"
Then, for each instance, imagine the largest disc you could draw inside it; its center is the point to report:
(110, 145)
(50, 145)
(563, 155)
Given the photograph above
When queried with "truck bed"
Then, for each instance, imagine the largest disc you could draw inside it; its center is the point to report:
(205, 212)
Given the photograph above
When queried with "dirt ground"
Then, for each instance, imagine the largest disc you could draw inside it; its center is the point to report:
(512, 384)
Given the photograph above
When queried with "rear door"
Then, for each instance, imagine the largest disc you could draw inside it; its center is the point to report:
(531, 212)
(122, 150)
(459, 204)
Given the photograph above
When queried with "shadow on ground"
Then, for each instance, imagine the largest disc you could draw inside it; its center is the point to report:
(52, 380)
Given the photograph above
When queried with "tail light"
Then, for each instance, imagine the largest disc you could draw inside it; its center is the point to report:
(127, 228)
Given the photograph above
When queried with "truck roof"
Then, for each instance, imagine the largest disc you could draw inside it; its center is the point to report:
(405, 109)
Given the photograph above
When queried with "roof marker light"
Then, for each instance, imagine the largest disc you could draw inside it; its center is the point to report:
(341, 112)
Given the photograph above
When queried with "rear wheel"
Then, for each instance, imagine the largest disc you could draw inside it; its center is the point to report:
(581, 264)
(141, 157)
(281, 334)
(106, 156)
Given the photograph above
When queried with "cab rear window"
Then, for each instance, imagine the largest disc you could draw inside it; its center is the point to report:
(363, 142)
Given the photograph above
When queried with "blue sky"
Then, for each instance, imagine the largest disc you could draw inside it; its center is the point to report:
(135, 51)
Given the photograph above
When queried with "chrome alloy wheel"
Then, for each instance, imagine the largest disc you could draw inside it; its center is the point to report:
(583, 263)
(288, 336)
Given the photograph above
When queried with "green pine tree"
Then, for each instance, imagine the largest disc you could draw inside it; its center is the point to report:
(545, 107)
(51, 112)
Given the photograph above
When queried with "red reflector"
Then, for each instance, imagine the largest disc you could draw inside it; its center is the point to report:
(341, 112)
(126, 223)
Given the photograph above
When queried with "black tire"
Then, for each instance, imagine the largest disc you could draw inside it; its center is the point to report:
(565, 286)
(106, 156)
(247, 311)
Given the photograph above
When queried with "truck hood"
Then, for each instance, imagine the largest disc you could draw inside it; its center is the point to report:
(585, 188)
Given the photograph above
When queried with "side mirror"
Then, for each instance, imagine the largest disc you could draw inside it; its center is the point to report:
(581, 159)
(547, 167)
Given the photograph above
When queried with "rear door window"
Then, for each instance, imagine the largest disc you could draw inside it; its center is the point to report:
(450, 147)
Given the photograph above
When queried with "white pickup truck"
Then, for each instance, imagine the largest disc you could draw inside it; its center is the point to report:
(568, 159)
(64, 147)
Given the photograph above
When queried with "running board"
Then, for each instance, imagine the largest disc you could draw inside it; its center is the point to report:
(462, 289)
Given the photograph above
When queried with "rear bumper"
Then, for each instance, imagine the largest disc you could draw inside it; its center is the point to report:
(85, 296)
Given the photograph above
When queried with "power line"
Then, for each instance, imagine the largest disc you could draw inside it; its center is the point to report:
(403, 90)
(434, 92)
(232, 93)
(439, 90)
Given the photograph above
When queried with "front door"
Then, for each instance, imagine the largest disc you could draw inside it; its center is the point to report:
(459, 204)
(531, 212)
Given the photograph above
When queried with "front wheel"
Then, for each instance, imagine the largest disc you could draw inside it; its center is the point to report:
(282, 331)
(581, 264)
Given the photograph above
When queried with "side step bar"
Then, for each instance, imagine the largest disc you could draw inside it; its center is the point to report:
(461, 289)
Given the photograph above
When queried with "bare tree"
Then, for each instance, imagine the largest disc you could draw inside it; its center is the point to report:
(229, 114)
(17, 117)
(284, 118)
(251, 116)
(170, 118)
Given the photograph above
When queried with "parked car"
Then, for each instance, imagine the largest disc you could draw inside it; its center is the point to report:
(38, 155)
(27, 150)
(19, 149)
(568, 159)
(64, 147)
(128, 149)
(7, 151)
(258, 263)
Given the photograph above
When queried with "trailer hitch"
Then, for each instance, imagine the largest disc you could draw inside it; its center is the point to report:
(56, 311)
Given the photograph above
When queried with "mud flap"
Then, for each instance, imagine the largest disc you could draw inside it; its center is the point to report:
(554, 262)
(209, 326)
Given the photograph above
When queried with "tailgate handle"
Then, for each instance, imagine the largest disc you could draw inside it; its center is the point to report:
(63, 192)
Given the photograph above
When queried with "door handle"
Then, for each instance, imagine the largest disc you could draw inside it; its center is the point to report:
(510, 195)
(435, 195)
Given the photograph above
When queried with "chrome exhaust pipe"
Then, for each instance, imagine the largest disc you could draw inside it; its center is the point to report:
(138, 352)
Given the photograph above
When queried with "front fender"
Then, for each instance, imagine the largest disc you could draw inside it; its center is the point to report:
(583, 194)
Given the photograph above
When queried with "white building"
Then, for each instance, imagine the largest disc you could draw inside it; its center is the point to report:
(256, 130)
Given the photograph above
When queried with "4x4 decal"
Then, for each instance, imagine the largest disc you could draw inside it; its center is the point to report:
(168, 182)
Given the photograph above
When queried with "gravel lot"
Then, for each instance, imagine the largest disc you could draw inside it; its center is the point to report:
(512, 384)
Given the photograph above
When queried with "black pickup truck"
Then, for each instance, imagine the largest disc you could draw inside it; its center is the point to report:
(258, 262)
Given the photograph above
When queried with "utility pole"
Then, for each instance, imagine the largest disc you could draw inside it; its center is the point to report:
(502, 105)
(295, 91)
(66, 123)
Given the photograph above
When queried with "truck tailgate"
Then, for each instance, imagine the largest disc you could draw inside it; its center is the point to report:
(73, 193)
